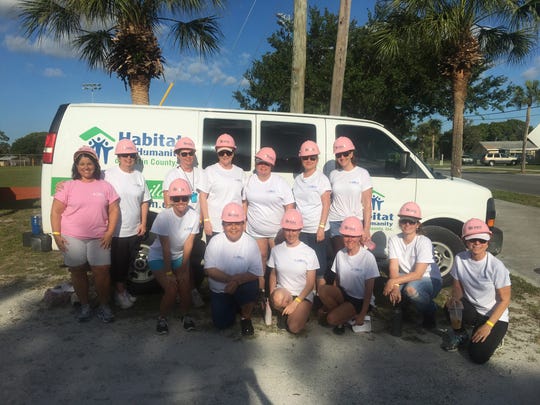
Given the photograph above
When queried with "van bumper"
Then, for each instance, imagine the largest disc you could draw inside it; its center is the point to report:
(496, 241)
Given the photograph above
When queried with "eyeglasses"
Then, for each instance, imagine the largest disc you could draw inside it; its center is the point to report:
(126, 155)
(343, 154)
(476, 240)
(225, 153)
(312, 158)
(178, 198)
(407, 222)
(184, 154)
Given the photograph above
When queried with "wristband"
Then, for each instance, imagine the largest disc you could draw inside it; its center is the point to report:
(206, 219)
(321, 225)
(298, 299)
(55, 233)
(396, 285)
(490, 324)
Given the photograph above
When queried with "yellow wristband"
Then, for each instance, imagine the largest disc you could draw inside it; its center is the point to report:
(206, 219)
(55, 233)
(396, 285)
(298, 299)
(490, 324)
(321, 226)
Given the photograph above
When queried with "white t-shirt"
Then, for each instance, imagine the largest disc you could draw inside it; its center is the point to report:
(194, 178)
(347, 189)
(133, 191)
(232, 258)
(266, 201)
(420, 250)
(307, 194)
(223, 186)
(178, 229)
(353, 272)
(480, 280)
(291, 265)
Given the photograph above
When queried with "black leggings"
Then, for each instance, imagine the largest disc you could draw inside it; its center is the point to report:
(122, 255)
(481, 352)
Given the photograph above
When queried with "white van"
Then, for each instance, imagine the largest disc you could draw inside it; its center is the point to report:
(398, 175)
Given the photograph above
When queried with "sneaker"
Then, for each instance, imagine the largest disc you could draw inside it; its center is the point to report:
(162, 327)
(282, 321)
(122, 300)
(246, 327)
(188, 323)
(196, 299)
(454, 340)
(339, 329)
(105, 314)
(85, 313)
(131, 297)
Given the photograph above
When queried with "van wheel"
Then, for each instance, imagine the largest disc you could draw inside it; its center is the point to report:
(446, 245)
(140, 278)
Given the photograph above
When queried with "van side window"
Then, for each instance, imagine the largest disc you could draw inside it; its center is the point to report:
(285, 138)
(375, 151)
(240, 130)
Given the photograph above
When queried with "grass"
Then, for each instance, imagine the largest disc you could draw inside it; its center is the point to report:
(20, 176)
(524, 199)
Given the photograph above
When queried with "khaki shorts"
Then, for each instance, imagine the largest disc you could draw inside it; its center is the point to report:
(81, 251)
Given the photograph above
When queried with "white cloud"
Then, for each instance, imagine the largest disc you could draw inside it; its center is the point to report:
(53, 72)
(532, 73)
(7, 8)
(46, 45)
(194, 71)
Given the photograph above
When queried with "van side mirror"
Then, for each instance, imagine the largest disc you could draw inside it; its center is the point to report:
(405, 163)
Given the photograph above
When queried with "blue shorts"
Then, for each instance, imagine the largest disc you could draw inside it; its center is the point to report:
(158, 265)
(334, 228)
(81, 251)
(225, 306)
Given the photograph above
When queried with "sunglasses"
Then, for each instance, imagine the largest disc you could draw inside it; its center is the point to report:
(407, 222)
(232, 223)
(262, 162)
(178, 198)
(312, 158)
(184, 154)
(225, 153)
(343, 154)
(475, 240)
(291, 230)
(126, 155)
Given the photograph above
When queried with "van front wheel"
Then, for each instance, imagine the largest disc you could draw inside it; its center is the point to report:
(446, 245)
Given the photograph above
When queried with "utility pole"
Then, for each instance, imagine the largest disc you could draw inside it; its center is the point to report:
(340, 58)
(298, 74)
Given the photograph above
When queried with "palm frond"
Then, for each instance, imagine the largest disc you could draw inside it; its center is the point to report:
(40, 17)
(201, 34)
(94, 47)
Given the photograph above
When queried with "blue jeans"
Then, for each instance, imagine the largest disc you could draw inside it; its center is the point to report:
(426, 289)
(225, 306)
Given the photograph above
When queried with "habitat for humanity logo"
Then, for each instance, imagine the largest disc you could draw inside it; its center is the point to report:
(380, 219)
(100, 141)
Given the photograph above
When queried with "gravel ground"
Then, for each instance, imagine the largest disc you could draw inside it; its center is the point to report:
(50, 358)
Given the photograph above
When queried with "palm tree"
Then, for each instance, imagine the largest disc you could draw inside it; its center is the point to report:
(463, 35)
(528, 96)
(121, 35)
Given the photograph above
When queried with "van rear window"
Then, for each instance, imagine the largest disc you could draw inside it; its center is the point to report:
(240, 130)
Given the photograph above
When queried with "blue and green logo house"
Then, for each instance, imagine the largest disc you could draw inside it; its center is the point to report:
(100, 141)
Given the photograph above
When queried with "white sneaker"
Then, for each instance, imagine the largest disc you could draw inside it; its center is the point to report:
(196, 299)
(131, 297)
(122, 300)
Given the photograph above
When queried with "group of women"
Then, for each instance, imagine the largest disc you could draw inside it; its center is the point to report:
(316, 210)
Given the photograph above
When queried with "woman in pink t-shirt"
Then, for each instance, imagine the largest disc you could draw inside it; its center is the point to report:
(83, 219)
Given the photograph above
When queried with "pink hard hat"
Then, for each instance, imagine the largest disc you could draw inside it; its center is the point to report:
(225, 141)
(292, 219)
(233, 212)
(475, 228)
(184, 143)
(125, 146)
(351, 226)
(179, 187)
(85, 150)
(410, 210)
(267, 155)
(309, 148)
(343, 144)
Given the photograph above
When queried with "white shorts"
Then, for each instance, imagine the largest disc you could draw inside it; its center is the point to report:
(80, 251)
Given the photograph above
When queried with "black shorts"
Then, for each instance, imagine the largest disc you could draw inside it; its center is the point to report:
(357, 303)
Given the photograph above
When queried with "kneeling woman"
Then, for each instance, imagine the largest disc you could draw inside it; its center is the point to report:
(351, 295)
(482, 286)
(293, 266)
(175, 228)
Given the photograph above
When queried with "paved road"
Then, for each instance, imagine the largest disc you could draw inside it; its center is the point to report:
(521, 247)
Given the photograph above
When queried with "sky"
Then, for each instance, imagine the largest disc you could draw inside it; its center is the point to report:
(36, 77)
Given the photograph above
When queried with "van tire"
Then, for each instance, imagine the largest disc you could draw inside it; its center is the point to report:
(446, 245)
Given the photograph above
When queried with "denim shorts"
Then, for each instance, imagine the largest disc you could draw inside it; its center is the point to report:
(159, 264)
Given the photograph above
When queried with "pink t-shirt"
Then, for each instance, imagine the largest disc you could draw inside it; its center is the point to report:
(87, 204)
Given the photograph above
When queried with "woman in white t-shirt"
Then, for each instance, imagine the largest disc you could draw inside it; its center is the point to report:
(292, 275)
(312, 190)
(267, 196)
(351, 192)
(131, 186)
(412, 268)
(175, 229)
(351, 295)
(223, 183)
(482, 288)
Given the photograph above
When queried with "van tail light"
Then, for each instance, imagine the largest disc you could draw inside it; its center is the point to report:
(48, 149)
(490, 212)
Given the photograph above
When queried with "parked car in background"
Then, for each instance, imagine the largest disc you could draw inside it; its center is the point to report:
(492, 159)
(467, 160)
